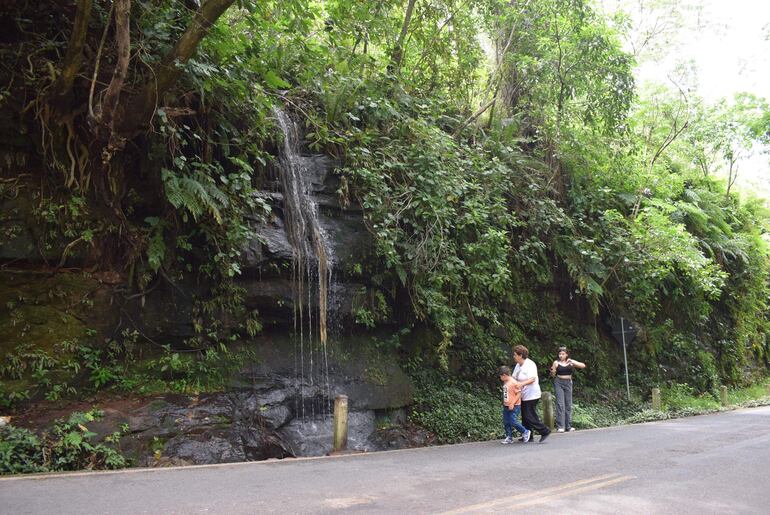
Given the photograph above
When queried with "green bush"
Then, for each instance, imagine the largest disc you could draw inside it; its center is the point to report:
(678, 396)
(456, 411)
(67, 445)
(20, 451)
(588, 416)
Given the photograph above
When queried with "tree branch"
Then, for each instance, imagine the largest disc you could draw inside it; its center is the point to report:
(74, 56)
(96, 64)
(397, 54)
(106, 112)
(475, 115)
(141, 107)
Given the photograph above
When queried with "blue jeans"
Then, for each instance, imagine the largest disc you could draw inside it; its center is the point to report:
(511, 421)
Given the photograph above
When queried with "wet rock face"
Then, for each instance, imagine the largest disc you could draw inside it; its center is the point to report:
(313, 436)
(272, 419)
(180, 429)
(266, 260)
(275, 409)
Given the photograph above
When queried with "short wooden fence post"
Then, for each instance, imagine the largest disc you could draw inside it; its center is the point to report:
(723, 396)
(340, 423)
(548, 411)
(656, 399)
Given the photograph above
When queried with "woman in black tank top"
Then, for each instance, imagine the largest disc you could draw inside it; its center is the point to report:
(561, 370)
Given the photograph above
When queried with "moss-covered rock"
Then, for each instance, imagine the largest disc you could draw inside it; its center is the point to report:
(42, 310)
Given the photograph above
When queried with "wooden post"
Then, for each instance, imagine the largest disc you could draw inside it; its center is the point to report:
(340, 423)
(548, 412)
(768, 389)
(723, 396)
(656, 399)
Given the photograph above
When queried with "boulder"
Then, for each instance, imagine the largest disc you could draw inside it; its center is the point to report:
(312, 436)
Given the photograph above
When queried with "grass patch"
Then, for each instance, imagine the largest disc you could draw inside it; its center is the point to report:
(750, 393)
(678, 396)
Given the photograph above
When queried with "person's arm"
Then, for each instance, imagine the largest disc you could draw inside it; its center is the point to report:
(524, 382)
(577, 364)
(553, 369)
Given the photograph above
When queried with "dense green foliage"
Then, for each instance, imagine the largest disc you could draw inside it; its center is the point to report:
(71, 369)
(67, 445)
(518, 186)
(456, 411)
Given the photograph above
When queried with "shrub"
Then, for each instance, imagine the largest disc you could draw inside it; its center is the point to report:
(455, 411)
(679, 396)
(68, 445)
(20, 451)
(602, 415)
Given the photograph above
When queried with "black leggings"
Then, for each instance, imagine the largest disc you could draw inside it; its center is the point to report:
(530, 419)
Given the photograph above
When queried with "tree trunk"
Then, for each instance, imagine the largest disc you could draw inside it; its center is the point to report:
(397, 55)
(74, 56)
(475, 115)
(140, 108)
(732, 174)
(106, 113)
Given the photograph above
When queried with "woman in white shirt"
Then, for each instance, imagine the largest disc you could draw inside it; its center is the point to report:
(525, 374)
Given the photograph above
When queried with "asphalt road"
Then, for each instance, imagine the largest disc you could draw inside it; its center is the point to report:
(707, 464)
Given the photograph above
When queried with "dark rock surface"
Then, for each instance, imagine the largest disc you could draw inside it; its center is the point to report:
(240, 425)
(271, 410)
(267, 258)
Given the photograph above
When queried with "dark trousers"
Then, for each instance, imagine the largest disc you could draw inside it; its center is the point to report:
(530, 418)
(563, 390)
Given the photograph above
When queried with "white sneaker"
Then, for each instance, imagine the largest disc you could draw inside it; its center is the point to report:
(570, 429)
(560, 430)
(507, 441)
(527, 436)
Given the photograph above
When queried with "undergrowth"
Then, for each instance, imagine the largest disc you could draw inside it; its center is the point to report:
(455, 411)
(67, 445)
(461, 411)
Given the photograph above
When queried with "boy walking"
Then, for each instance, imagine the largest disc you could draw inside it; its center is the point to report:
(511, 407)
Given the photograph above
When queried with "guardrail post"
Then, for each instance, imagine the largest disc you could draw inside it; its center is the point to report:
(340, 423)
(548, 411)
(656, 399)
(723, 396)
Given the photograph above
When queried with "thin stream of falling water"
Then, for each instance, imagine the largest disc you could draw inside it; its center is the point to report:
(309, 247)
(294, 340)
(298, 302)
(326, 357)
(310, 336)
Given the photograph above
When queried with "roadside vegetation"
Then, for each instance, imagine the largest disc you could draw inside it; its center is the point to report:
(463, 412)
(66, 445)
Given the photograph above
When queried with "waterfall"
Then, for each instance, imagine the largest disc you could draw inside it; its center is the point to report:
(312, 263)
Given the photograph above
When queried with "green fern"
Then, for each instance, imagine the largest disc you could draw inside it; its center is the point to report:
(156, 249)
(196, 196)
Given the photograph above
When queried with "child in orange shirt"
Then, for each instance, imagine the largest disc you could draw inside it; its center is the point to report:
(511, 406)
